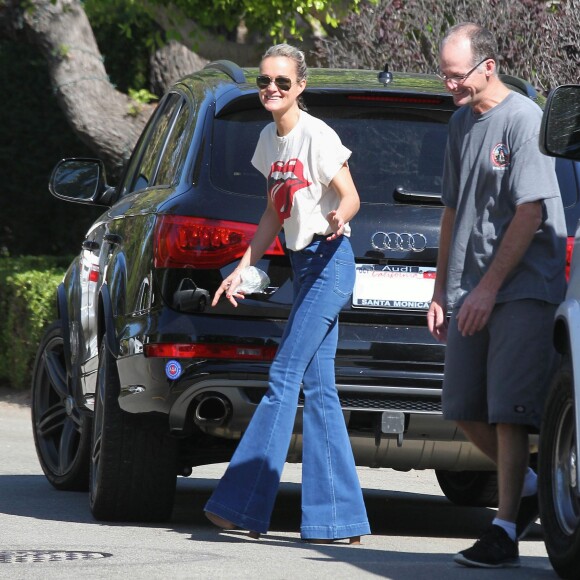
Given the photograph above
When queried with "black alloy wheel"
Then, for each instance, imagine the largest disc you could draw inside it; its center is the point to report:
(62, 433)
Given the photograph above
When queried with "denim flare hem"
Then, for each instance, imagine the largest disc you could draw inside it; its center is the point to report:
(334, 532)
(242, 521)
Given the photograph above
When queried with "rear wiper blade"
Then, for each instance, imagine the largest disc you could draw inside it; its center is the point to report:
(402, 194)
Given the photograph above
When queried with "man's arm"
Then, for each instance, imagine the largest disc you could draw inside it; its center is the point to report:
(436, 316)
(476, 309)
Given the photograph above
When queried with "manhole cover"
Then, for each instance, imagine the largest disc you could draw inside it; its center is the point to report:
(25, 556)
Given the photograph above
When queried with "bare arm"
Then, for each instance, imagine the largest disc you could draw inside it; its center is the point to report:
(436, 316)
(476, 309)
(349, 204)
(268, 228)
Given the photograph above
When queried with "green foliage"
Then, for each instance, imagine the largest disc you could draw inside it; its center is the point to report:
(127, 36)
(140, 97)
(27, 304)
(277, 19)
(63, 52)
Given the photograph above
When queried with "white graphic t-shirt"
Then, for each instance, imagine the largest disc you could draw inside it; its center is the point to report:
(299, 168)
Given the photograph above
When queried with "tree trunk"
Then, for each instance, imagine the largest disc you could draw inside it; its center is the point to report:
(170, 63)
(105, 119)
(174, 21)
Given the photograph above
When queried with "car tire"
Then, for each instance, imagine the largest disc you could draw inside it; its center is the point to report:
(557, 482)
(133, 461)
(469, 488)
(62, 432)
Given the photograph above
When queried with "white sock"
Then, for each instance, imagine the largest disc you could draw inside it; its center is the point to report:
(530, 483)
(509, 527)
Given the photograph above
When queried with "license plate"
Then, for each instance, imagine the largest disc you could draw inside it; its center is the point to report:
(393, 286)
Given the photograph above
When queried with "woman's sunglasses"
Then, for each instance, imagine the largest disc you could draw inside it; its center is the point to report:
(264, 81)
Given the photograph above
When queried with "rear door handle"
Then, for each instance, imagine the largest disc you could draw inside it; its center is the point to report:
(90, 245)
(113, 238)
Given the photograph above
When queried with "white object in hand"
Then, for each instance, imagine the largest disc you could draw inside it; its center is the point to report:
(253, 280)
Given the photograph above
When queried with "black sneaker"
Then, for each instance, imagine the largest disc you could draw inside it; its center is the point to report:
(527, 515)
(494, 549)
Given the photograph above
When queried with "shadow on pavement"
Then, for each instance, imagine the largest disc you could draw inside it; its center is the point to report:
(392, 513)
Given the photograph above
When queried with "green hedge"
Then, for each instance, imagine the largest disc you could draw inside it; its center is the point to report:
(27, 304)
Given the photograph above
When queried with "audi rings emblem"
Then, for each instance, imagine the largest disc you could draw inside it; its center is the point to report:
(395, 242)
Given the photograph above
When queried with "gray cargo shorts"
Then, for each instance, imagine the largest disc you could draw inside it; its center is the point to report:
(502, 373)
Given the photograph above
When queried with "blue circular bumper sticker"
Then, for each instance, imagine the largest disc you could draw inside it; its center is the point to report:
(173, 369)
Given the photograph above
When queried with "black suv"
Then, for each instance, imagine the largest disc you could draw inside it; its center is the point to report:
(140, 379)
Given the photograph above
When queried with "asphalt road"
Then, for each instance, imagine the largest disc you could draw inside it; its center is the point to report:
(49, 534)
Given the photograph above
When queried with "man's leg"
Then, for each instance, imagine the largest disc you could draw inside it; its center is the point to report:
(508, 447)
(482, 435)
(520, 331)
(513, 452)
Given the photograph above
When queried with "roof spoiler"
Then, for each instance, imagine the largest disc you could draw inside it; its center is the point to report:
(519, 85)
(234, 71)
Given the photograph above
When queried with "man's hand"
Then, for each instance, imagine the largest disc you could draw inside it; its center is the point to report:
(437, 321)
(475, 310)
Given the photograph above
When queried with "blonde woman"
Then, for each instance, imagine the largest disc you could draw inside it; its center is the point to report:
(312, 196)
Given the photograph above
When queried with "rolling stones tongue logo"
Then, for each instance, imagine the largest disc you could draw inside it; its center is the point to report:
(285, 179)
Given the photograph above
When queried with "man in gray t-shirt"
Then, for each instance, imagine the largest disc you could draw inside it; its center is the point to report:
(500, 276)
(493, 165)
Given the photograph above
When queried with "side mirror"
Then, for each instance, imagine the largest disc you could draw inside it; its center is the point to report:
(80, 180)
(560, 130)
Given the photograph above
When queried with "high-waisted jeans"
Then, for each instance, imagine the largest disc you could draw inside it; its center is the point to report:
(332, 501)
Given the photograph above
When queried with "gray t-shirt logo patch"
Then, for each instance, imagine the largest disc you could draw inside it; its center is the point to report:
(500, 157)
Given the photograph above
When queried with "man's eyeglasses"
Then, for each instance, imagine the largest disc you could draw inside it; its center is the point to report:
(264, 81)
(458, 79)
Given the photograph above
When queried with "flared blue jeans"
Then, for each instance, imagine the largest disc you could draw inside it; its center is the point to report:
(332, 501)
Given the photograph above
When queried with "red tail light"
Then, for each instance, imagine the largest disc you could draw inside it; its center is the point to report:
(94, 274)
(205, 350)
(190, 242)
(569, 250)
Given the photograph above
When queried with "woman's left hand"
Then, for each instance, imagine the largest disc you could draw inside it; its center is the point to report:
(336, 223)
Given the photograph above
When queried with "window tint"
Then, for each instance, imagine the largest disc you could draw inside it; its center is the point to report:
(153, 149)
(390, 148)
(234, 141)
(175, 150)
(144, 160)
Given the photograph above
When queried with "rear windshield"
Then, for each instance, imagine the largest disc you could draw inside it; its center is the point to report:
(390, 149)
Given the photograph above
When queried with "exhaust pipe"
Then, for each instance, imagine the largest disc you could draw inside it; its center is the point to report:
(212, 410)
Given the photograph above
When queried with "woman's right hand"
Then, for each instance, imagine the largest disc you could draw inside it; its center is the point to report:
(266, 233)
(228, 286)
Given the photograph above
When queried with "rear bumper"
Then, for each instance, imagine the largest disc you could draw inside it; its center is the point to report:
(220, 400)
(388, 379)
